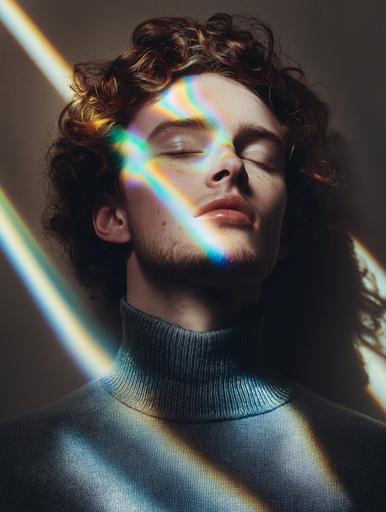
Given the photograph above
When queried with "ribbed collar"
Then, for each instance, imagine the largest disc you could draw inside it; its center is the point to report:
(170, 372)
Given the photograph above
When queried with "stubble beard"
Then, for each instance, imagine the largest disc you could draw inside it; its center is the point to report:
(172, 261)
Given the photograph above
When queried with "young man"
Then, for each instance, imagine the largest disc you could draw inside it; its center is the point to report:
(172, 176)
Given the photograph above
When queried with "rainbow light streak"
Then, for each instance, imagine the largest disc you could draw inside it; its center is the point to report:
(206, 483)
(111, 490)
(375, 364)
(172, 103)
(322, 468)
(183, 101)
(178, 102)
(372, 264)
(139, 166)
(53, 297)
(183, 210)
(318, 467)
(377, 381)
(37, 46)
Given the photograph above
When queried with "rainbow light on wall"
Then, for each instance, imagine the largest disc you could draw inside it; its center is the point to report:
(60, 308)
(363, 253)
(37, 46)
(375, 364)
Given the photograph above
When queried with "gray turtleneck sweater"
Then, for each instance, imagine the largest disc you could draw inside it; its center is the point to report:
(192, 421)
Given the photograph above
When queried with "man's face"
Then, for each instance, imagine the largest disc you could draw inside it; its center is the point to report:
(237, 155)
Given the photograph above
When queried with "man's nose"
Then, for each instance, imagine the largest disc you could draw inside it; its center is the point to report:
(228, 167)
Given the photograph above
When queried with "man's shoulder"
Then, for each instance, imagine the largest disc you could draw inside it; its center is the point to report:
(32, 445)
(335, 414)
(350, 432)
(41, 423)
(351, 445)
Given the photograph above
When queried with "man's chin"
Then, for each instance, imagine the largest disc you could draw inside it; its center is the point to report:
(195, 266)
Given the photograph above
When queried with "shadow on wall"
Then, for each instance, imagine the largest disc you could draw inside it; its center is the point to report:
(319, 311)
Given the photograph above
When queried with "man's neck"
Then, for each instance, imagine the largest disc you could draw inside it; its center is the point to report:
(197, 307)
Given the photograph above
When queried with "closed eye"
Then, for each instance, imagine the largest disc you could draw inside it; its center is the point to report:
(182, 154)
(265, 166)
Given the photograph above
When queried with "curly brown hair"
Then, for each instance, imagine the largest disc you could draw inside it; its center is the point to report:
(83, 167)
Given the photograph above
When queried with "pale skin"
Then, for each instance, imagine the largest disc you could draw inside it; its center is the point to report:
(169, 275)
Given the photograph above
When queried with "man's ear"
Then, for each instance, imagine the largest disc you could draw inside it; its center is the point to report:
(110, 223)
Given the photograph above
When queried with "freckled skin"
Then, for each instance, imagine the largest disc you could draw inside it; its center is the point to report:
(169, 272)
(233, 104)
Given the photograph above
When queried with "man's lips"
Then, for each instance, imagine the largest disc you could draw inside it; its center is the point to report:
(228, 216)
(228, 208)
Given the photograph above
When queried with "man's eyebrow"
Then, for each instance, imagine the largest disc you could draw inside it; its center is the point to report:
(247, 132)
(195, 123)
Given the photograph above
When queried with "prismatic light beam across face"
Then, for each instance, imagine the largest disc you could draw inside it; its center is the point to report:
(140, 168)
